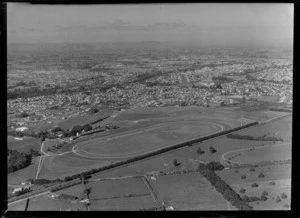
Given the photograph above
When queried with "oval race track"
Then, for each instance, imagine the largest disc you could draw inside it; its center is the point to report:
(143, 140)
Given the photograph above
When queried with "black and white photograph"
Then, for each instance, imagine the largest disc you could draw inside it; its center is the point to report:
(149, 107)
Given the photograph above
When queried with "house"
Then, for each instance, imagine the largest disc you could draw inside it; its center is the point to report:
(20, 189)
(22, 129)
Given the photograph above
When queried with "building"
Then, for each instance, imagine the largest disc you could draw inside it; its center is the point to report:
(22, 129)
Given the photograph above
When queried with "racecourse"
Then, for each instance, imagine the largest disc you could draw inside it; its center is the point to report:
(144, 140)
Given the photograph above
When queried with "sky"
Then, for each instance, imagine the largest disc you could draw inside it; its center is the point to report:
(194, 22)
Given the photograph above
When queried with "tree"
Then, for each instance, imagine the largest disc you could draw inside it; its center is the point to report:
(254, 185)
(94, 110)
(283, 196)
(42, 138)
(87, 127)
(200, 151)
(242, 190)
(212, 149)
(175, 163)
(261, 175)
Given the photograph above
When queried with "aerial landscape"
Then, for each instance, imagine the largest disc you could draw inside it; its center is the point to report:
(143, 120)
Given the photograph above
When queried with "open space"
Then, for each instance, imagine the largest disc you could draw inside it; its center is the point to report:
(189, 192)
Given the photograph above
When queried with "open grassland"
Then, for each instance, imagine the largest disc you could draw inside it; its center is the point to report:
(120, 194)
(124, 203)
(24, 174)
(281, 186)
(189, 192)
(76, 190)
(281, 128)
(113, 188)
(23, 145)
(272, 172)
(19, 206)
(46, 203)
(60, 166)
(41, 126)
(265, 153)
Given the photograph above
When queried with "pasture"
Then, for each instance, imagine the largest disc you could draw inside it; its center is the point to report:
(60, 166)
(189, 192)
(281, 186)
(23, 145)
(124, 203)
(23, 174)
(120, 194)
(46, 203)
(264, 153)
(112, 188)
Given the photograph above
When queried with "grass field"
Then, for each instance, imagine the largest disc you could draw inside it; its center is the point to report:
(272, 172)
(281, 186)
(46, 203)
(279, 174)
(265, 153)
(124, 204)
(120, 194)
(60, 166)
(189, 192)
(23, 145)
(76, 190)
(106, 189)
(23, 174)
(19, 206)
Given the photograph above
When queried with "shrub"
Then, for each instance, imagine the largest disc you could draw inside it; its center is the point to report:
(272, 183)
(263, 198)
(286, 205)
(212, 149)
(283, 196)
(261, 175)
(264, 193)
(254, 185)
(252, 169)
(175, 163)
(200, 151)
(243, 177)
(242, 190)
(254, 198)
(245, 198)
(236, 171)
(278, 199)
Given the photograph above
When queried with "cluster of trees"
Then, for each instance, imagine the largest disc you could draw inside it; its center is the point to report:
(263, 197)
(22, 115)
(30, 92)
(67, 197)
(45, 181)
(77, 129)
(221, 78)
(41, 134)
(207, 171)
(17, 160)
(248, 137)
(281, 110)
